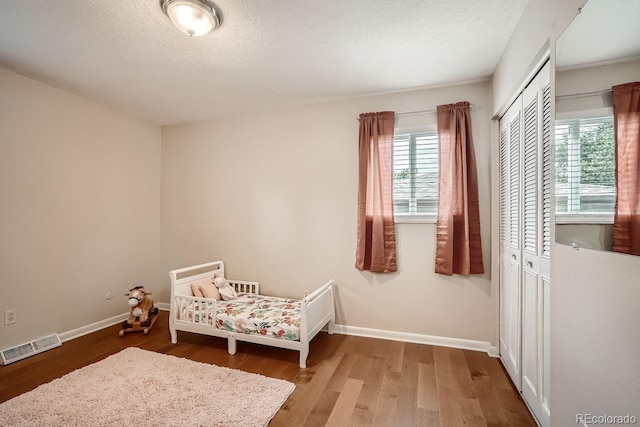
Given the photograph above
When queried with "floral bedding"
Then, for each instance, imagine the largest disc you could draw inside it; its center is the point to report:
(255, 314)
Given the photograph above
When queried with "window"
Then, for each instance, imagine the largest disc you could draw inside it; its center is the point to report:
(585, 170)
(415, 175)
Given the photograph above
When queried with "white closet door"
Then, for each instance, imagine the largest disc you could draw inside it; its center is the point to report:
(545, 259)
(510, 256)
(531, 269)
(525, 242)
(535, 266)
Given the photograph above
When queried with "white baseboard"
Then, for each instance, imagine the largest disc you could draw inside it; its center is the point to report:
(84, 330)
(418, 339)
(340, 329)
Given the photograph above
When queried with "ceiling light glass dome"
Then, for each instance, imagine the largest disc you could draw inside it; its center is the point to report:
(192, 17)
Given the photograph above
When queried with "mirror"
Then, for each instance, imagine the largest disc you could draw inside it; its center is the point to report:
(598, 50)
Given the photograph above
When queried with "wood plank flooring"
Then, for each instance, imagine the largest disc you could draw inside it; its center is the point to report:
(350, 381)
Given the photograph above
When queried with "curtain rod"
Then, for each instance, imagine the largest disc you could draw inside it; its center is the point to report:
(584, 94)
(411, 113)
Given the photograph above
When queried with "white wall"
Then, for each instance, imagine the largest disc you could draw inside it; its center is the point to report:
(541, 24)
(595, 333)
(593, 79)
(595, 338)
(79, 209)
(275, 195)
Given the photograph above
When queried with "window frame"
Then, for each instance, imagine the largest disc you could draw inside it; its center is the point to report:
(417, 218)
(572, 217)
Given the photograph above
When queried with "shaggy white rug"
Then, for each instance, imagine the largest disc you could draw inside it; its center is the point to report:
(141, 388)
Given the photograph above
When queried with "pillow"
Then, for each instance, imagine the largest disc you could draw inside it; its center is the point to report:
(205, 288)
(195, 288)
(210, 291)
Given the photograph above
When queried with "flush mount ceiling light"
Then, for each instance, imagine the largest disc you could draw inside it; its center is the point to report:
(192, 17)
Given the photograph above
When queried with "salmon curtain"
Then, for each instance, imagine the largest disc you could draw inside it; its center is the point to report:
(626, 122)
(458, 243)
(376, 243)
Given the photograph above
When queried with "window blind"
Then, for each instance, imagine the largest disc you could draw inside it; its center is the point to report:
(585, 166)
(415, 173)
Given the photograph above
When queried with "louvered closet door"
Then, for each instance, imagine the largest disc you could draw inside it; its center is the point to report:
(545, 261)
(510, 240)
(525, 242)
(536, 244)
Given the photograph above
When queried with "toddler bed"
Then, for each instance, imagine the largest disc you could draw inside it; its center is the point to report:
(251, 317)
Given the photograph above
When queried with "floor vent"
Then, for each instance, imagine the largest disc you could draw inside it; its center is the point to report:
(25, 350)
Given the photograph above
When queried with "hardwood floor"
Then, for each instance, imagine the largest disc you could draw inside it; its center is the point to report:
(349, 380)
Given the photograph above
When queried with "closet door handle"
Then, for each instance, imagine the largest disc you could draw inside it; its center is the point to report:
(530, 264)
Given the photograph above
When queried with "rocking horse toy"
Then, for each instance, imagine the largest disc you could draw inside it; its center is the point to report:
(143, 313)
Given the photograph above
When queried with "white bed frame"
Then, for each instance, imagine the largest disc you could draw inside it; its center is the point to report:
(316, 310)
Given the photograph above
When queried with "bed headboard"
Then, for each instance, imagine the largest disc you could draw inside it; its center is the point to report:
(181, 278)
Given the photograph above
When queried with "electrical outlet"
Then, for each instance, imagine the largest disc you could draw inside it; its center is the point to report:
(10, 316)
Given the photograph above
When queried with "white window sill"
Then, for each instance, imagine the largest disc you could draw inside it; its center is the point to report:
(584, 219)
(415, 219)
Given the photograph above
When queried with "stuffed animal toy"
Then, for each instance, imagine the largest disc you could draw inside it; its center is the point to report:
(226, 290)
(141, 305)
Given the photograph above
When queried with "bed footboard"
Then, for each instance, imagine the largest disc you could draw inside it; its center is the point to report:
(316, 311)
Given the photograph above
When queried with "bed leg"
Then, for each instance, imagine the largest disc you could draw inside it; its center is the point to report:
(303, 357)
(174, 336)
(231, 344)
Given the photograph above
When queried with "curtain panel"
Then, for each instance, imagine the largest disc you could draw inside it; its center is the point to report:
(376, 240)
(458, 243)
(626, 122)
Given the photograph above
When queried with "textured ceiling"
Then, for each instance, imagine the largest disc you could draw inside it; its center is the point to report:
(266, 54)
